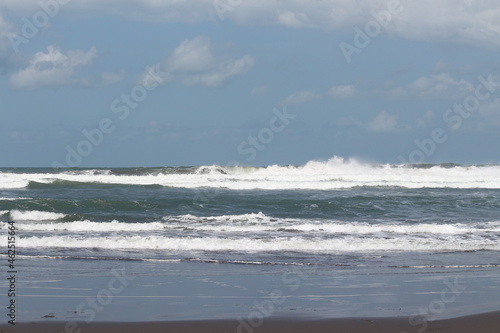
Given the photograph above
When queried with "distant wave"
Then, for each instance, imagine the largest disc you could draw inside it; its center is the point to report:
(35, 215)
(335, 173)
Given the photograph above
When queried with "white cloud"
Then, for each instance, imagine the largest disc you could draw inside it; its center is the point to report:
(194, 63)
(456, 21)
(52, 68)
(383, 122)
(450, 21)
(192, 56)
(441, 85)
(154, 76)
(324, 14)
(300, 97)
(434, 86)
(342, 92)
(218, 76)
(294, 20)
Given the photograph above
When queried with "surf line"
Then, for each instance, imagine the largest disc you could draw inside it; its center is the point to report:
(11, 272)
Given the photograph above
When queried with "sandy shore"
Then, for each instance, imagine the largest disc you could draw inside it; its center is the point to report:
(480, 323)
(59, 296)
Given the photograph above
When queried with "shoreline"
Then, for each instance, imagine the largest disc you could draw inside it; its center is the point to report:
(119, 292)
(488, 322)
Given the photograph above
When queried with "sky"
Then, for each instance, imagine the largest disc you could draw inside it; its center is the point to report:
(120, 83)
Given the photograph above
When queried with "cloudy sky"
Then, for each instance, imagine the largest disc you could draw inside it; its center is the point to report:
(256, 82)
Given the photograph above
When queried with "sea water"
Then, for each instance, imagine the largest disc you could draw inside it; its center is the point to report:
(338, 215)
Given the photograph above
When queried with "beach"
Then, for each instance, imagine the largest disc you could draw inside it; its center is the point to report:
(232, 166)
(484, 323)
(107, 296)
(319, 247)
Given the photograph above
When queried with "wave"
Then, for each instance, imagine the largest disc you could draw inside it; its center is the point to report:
(252, 232)
(253, 222)
(290, 244)
(13, 199)
(88, 226)
(335, 173)
(35, 215)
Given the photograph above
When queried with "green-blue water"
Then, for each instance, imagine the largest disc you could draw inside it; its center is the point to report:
(333, 212)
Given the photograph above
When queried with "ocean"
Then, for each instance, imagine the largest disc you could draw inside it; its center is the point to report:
(338, 215)
(267, 215)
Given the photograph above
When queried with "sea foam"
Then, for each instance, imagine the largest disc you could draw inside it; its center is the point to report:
(35, 215)
(335, 173)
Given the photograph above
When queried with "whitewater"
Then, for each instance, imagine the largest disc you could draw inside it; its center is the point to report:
(335, 173)
(336, 212)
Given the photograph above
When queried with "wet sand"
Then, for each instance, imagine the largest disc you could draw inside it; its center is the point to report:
(480, 323)
(110, 296)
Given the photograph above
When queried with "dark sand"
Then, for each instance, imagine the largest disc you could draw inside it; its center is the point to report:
(53, 296)
(60, 290)
(480, 323)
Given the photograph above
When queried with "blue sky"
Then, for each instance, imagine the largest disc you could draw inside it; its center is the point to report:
(154, 83)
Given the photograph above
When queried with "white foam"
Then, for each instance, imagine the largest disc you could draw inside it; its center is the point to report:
(90, 227)
(243, 218)
(295, 244)
(364, 228)
(252, 222)
(34, 215)
(13, 199)
(255, 232)
(335, 173)
(15, 180)
(262, 222)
